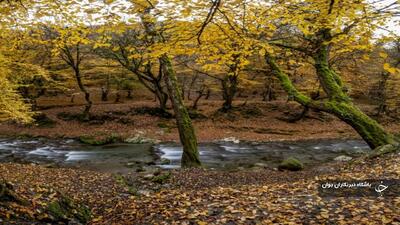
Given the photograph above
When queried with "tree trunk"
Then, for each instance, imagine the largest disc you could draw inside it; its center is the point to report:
(104, 94)
(341, 105)
(72, 100)
(366, 127)
(105, 90)
(208, 94)
(86, 111)
(269, 95)
(117, 97)
(191, 86)
(196, 101)
(190, 156)
(330, 81)
(338, 104)
(229, 88)
(382, 108)
(161, 97)
(129, 94)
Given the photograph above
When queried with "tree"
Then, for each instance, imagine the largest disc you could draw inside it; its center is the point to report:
(224, 55)
(202, 90)
(127, 48)
(12, 104)
(322, 25)
(391, 64)
(69, 44)
(123, 83)
(162, 44)
(67, 33)
(28, 69)
(318, 27)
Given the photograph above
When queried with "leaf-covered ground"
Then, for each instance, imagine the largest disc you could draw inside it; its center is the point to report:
(200, 196)
(255, 121)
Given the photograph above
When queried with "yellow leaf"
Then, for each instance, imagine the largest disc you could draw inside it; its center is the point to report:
(389, 69)
(366, 57)
(383, 55)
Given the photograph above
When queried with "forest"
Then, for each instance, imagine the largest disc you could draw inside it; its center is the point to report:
(199, 112)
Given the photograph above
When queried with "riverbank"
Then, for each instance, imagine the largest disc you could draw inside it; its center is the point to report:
(128, 158)
(250, 121)
(198, 196)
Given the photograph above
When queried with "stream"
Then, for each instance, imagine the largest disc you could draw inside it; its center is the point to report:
(125, 158)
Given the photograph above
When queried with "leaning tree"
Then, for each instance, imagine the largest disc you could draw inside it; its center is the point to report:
(319, 27)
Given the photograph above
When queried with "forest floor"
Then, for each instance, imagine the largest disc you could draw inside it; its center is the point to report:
(251, 121)
(198, 196)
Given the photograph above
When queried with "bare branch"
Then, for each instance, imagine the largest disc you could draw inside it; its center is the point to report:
(215, 6)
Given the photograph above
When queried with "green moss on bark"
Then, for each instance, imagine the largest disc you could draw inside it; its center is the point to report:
(338, 104)
(286, 83)
(370, 130)
(190, 155)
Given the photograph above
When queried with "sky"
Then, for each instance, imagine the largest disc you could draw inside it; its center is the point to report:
(392, 27)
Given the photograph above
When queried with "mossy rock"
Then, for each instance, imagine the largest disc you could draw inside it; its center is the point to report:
(65, 210)
(162, 178)
(385, 149)
(140, 140)
(291, 164)
(165, 161)
(90, 140)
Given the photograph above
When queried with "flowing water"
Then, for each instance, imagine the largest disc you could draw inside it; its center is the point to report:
(125, 157)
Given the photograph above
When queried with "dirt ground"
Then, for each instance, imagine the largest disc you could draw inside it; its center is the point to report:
(250, 120)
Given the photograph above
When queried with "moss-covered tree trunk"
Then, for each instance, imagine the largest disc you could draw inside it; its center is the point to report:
(338, 102)
(366, 127)
(190, 155)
